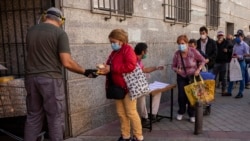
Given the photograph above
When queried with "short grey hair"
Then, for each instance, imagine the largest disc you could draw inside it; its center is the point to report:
(52, 17)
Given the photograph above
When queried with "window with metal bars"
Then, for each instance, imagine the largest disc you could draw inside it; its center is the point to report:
(213, 13)
(178, 11)
(112, 7)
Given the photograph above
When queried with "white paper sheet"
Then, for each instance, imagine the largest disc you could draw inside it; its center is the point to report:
(157, 85)
(2, 67)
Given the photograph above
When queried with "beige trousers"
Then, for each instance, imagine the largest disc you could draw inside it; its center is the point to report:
(127, 112)
(143, 107)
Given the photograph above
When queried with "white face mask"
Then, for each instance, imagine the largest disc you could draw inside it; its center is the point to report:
(182, 47)
(203, 36)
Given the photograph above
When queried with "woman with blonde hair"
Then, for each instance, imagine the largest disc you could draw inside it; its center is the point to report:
(187, 61)
(123, 60)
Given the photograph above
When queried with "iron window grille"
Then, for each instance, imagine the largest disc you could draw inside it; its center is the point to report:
(177, 11)
(16, 16)
(213, 14)
(113, 7)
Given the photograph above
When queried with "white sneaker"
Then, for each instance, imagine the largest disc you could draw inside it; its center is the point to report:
(192, 119)
(179, 117)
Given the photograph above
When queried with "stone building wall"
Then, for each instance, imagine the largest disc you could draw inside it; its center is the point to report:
(88, 33)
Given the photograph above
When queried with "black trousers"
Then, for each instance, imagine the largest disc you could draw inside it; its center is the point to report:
(183, 102)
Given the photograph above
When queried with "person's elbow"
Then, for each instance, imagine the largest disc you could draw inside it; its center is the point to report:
(66, 60)
(66, 64)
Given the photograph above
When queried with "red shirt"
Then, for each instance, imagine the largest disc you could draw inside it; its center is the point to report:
(121, 61)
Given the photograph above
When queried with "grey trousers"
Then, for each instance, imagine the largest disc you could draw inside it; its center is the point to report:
(45, 98)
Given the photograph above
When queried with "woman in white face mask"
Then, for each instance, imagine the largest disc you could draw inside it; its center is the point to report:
(187, 62)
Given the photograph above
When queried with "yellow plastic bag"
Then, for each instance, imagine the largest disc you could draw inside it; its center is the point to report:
(202, 90)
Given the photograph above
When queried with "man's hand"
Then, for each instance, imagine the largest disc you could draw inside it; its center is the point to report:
(206, 60)
(235, 56)
(225, 49)
(90, 73)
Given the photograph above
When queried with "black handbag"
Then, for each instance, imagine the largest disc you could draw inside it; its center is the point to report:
(114, 91)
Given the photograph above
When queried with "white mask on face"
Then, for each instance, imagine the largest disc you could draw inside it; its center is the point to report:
(203, 36)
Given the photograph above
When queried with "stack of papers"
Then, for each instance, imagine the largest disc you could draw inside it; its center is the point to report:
(157, 85)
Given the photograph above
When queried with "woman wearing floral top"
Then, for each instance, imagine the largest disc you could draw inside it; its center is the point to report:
(191, 57)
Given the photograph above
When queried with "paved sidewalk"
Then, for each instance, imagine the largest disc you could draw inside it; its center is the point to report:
(229, 121)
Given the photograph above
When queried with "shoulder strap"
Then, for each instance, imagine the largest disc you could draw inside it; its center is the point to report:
(183, 63)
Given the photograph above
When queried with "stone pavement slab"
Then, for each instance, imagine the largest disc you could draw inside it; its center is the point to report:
(229, 121)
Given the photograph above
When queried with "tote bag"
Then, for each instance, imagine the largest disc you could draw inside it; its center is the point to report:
(200, 91)
(137, 83)
(234, 70)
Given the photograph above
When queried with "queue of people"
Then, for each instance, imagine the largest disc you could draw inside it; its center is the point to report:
(46, 59)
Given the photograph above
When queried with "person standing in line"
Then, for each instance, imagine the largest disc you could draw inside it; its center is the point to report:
(230, 41)
(48, 51)
(123, 60)
(247, 59)
(220, 66)
(192, 64)
(240, 50)
(208, 46)
(141, 53)
(193, 43)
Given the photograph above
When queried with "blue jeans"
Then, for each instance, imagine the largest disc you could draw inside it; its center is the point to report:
(246, 74)
(242, 82)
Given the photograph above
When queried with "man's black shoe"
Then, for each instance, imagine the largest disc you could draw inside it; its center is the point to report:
(226, 94)
(239, 96)
(207, 110)
(247, 87)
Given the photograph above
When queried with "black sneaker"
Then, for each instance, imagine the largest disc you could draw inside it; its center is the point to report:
(154, 117)
(226, 94)
(239, 96)
(135, 139)
(121, 139)
(144, 121)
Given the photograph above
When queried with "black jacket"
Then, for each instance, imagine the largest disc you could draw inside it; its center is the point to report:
(230, 49)
(211, 51)
(223, 57)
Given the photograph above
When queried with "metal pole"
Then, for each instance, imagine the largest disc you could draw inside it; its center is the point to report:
(198, 118)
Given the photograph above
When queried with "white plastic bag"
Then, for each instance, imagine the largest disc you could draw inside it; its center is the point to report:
(235, 73)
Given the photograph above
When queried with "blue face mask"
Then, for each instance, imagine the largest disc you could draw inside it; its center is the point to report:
(237, 40)
(182, 47)
(115, 46)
